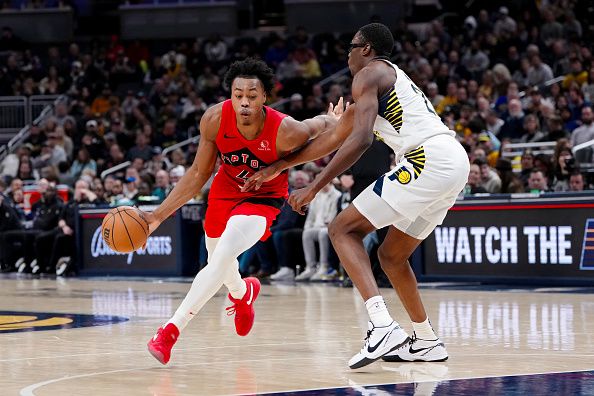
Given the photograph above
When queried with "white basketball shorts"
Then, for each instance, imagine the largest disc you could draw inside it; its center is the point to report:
(416, 195)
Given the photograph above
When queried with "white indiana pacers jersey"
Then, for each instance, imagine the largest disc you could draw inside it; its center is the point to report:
(406, 118)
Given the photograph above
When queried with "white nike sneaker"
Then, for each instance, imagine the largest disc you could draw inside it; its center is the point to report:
(321, 271)
(379, 341)
(419, 350)
(283, 274)
(306, 274)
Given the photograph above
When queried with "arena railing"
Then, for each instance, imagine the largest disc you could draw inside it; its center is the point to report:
(582, 146)
(546, 84)
(14, 115)
(515, 150)
(115, 168)
(166, 151)
(23, 133)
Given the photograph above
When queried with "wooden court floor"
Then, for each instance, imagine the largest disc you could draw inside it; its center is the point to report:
(90, 339)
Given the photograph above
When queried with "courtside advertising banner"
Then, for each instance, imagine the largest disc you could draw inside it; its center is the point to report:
(159, 257)
(529, 241)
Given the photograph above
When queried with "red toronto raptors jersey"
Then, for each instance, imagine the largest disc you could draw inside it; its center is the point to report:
(241, 158)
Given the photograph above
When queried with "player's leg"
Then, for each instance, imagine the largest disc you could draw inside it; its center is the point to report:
(241, 233)
(232, 281)
(393, 255)
(384, 335)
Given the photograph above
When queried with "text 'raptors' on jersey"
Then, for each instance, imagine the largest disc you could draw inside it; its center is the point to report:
(241, 157)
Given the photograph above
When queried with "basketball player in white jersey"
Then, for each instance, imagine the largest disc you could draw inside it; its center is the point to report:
(413, 198)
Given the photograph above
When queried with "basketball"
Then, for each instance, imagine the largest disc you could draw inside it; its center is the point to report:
(124, 229)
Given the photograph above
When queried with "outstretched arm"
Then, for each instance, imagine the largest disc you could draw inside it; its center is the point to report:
(198, 174)
(327, 142)
(365, 93)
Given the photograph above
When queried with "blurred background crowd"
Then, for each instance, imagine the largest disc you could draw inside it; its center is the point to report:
(498, 79)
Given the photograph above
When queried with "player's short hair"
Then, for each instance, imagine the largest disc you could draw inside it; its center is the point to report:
(380, 38)
(250, 68)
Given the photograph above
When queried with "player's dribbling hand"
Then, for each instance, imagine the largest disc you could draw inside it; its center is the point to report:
(262, 176)
(299, 199)
(152, 221)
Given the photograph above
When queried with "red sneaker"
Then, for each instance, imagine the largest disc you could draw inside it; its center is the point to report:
(244, 308)
(160, 345)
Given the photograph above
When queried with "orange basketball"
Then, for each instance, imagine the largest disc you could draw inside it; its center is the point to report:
(124, 229)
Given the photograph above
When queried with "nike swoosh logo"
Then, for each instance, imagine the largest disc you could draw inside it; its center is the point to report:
(413, 351)
(372, 349)
(229, 137)
(251, 294)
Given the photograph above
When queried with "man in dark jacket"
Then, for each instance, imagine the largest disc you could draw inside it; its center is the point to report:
(59, 241)
(46, 214)
(10, 220)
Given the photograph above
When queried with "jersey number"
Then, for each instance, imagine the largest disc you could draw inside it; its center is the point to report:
(418, 91)
(243, 175)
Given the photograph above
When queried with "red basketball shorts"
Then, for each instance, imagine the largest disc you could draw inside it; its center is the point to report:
(220, 210)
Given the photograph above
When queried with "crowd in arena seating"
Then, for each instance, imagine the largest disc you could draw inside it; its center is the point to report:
(489, 81)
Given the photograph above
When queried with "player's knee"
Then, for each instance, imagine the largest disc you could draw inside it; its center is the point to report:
(390, 258)
(334, 230)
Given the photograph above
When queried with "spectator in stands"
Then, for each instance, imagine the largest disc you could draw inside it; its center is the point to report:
(551, 29)
(433, 94)
(563, 166)
(577, 74)
(539, 72)
(162, 186)
(286, 236)
(526, 164)
(45, 217)
(176, 173)
(141, 149)
(12, 219)
(178, 158)
(450, 99)
(10, 165)
(576, 182)
(83, 161)
(26, 171)
(510, 183)
(583, 134)
(474, 181)
(116, 193)
(289, 69)
(169, 135)
(492, 122)
(215, 50)
(58, 242)
(490, 180)
(588, 86)
(321, 212)
(514, 121)
(295, 107)
(532, 132)
(116, 156)
(63, 140)
(556, 130)
(537, 182)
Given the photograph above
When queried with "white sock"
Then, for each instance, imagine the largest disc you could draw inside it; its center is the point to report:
(378, 312)
(424, 330)
(241, 233)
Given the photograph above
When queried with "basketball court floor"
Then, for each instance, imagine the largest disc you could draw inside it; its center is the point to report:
(88, 337)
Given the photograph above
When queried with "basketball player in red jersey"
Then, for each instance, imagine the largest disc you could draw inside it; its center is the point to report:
(247, 136)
